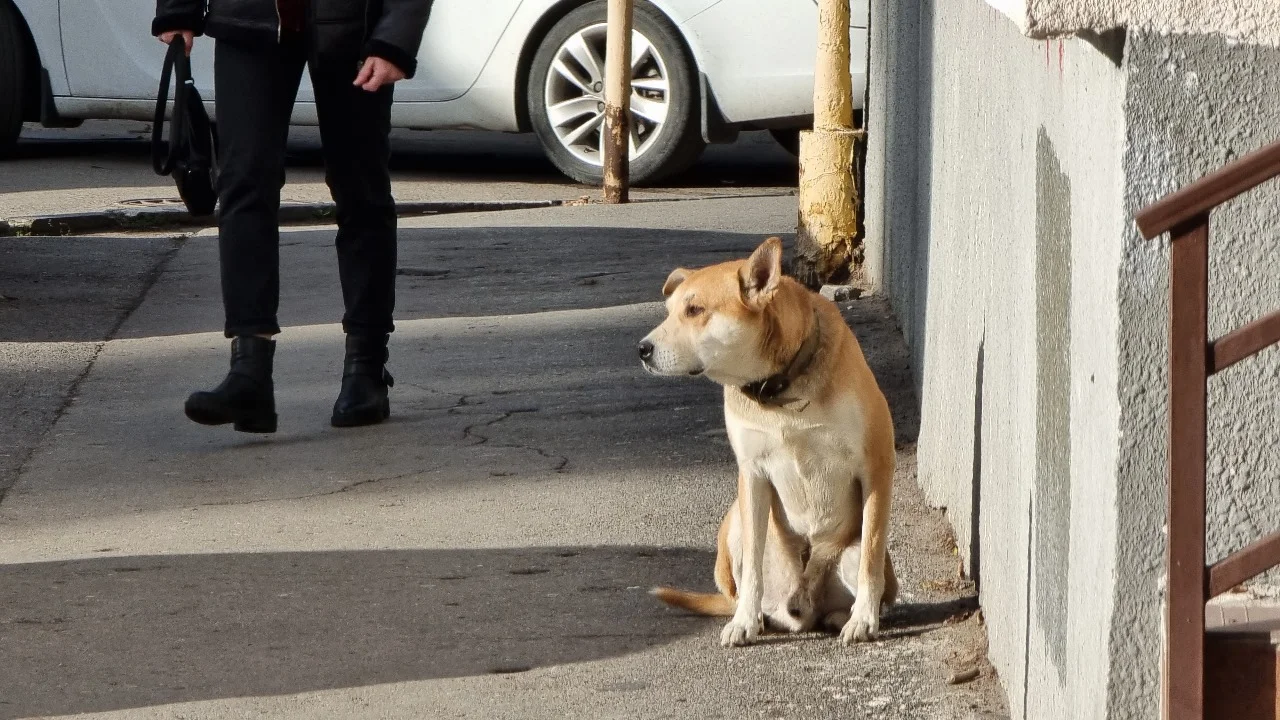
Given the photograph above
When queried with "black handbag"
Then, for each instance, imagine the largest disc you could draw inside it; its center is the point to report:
(191, 155)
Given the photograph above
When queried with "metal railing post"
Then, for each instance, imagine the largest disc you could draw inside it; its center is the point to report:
(1188, 375)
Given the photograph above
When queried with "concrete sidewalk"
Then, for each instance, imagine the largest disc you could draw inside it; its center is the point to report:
(484, 554)
(101, 175)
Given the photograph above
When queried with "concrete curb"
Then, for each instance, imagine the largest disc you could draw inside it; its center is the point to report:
(154, 218)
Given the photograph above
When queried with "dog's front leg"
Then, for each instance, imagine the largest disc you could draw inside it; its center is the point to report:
(755, 497)
(877, 491)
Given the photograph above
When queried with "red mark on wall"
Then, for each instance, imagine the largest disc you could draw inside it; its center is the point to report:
(1060, 60)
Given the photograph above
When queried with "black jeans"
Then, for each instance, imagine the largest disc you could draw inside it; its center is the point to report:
(255, 89)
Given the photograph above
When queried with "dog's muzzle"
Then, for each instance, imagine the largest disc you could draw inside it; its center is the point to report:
(649, 359)
(646, 349)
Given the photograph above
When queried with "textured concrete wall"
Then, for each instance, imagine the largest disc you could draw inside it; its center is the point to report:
(994, 206)
(1248, 21)
(1002, 176)
(1194, 103)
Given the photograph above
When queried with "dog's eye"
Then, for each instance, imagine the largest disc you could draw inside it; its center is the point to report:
(693, 311)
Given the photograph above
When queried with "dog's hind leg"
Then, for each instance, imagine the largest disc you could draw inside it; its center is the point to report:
(835, 620)
(810, 600)
(843, 586)
(890, 581)
(724, 555)
(840, 588)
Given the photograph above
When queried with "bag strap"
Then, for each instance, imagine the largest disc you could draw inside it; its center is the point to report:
(176, 63)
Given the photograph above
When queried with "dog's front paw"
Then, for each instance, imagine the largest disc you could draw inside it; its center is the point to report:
(738, 633)
(864, 623)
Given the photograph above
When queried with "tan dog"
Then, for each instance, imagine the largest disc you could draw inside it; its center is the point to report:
(806, 540)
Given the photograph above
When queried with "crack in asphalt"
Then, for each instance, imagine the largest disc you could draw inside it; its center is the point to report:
(73, 389)
(465, 400)
(345, 488)
(559, 462)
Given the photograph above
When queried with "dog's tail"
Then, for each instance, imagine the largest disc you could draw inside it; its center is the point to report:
(702, 603)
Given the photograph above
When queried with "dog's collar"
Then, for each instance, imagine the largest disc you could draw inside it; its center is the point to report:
(769, 390)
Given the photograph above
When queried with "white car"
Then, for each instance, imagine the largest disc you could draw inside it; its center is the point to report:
(702, 71)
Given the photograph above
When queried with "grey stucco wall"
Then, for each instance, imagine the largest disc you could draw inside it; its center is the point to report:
(898, 88)
(1194, 103)
(1002, 177)
(994, 205)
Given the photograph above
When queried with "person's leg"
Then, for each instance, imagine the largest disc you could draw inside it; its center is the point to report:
(254, 91)
(355, 128)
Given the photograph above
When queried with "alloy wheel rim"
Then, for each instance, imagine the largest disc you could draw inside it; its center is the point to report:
(574, 94)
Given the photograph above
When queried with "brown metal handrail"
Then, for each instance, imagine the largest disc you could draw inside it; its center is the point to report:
(1209, 192)
(1192, 359)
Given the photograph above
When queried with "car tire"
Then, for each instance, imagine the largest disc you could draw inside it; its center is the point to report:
(669, 92)
(789, 139)
(13, 72)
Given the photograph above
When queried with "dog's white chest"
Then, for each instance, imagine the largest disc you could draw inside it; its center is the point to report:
(812, 462)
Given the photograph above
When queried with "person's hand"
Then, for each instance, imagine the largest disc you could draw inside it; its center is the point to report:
(377, 72)
(187, 36)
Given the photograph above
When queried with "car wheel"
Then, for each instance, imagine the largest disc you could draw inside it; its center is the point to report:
(566, 96)
(789, 139)
(12, 72)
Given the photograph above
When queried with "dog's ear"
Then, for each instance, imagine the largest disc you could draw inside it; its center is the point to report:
(759, 278)
(676, 277)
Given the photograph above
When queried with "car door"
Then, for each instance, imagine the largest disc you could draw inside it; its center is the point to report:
(110, 52)
(460, 37)
(759, 55)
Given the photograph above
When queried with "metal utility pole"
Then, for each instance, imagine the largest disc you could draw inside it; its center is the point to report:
(826, 232)
(617, 102)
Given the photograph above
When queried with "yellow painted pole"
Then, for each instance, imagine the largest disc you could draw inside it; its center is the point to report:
(826, 232)
(617, 102)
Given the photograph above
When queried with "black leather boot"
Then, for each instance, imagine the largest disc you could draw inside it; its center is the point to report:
(246, 397)
(363, 399)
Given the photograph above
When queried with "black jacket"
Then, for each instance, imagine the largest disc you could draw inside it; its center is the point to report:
(389, 29)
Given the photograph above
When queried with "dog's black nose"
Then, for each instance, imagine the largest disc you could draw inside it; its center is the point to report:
(646, 350)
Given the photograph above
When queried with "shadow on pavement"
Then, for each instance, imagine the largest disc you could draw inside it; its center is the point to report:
(126, 632)
(447, 156)
(74, 289)
(917, 618)
(81, 289)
